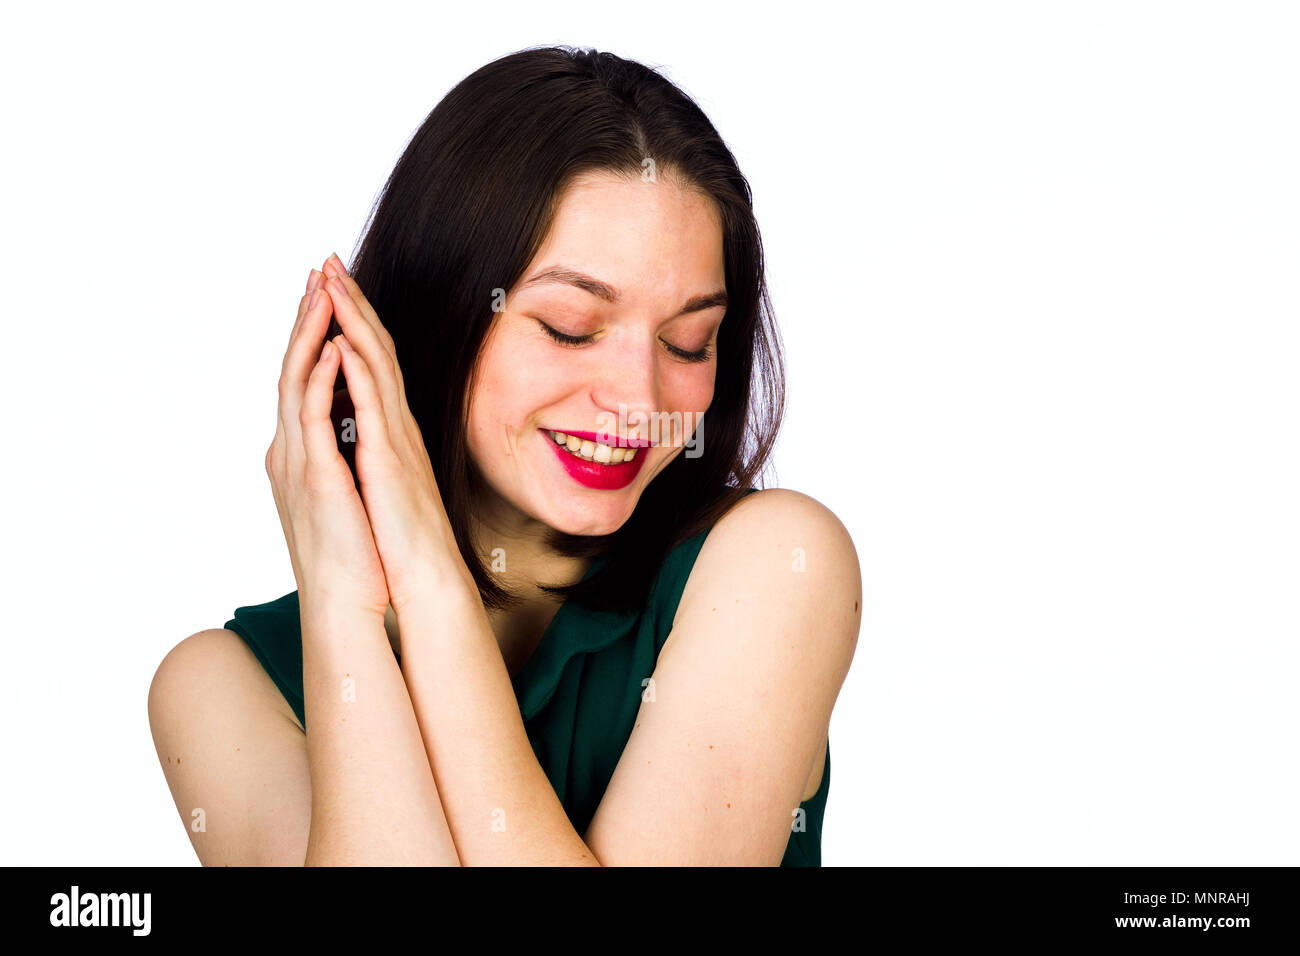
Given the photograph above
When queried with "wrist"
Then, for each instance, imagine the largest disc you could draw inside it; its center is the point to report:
(434, 583)
(330, 608)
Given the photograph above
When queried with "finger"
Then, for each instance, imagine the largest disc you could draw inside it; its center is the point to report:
(359, 297)
(333, 267)
(366, 342)
(314, 282)
(318, 441)
(372, 423)
(301, 357)
(385, 336)
(363, 305)
(304, 304)
(299, 362)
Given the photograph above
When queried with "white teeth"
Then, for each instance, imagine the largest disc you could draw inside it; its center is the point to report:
(593, 451)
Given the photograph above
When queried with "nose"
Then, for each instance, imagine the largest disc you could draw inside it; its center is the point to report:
(627, 394)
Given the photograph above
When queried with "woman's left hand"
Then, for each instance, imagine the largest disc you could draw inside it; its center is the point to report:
(406, 512)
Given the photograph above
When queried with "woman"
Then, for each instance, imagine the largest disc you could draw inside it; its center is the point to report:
(531, 625)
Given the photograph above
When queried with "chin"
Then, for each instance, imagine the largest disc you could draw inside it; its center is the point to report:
(583, 514)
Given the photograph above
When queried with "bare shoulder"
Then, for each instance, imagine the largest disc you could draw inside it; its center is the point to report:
(779, 573)
(779, 543)
(734, 737)
(232, 751)
(213, 662)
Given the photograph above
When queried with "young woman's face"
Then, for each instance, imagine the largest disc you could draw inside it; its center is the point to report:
(655, 250)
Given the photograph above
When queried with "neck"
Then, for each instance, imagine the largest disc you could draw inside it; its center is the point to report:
(513, 546)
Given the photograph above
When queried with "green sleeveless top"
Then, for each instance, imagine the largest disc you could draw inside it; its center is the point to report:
(578, 693)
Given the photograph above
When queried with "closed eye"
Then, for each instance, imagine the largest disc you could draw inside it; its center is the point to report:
(566, 339)
(703, 355)
(573, 341)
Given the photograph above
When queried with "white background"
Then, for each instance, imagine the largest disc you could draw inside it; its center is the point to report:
(1035, 266)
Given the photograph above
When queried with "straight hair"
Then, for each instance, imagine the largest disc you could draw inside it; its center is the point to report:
(463, 213)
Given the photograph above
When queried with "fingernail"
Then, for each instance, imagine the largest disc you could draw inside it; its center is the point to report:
(311, 303)
(338, 263)
(343, 343)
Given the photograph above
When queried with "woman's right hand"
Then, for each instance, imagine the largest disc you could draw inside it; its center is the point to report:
(330, 541)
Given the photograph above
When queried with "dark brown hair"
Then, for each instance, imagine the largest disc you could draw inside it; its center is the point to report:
(464, 211)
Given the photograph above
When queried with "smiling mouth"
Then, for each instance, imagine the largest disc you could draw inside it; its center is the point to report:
(592, 451)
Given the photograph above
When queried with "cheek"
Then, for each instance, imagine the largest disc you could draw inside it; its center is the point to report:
(530, 376)
(691, 390)
(491, 403)
(516, 378)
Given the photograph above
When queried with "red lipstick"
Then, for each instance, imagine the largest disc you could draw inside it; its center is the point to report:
(592, 474)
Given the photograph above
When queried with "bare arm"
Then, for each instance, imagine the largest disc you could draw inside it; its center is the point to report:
(745, 684)
(233, 753)
(371, 792)
(714, 770)
(374, 801)
(501, 806)
(237, 763)
(373, 797)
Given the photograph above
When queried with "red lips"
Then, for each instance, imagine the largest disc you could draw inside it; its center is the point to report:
(592, 474)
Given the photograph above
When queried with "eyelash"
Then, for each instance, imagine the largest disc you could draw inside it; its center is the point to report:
(572, 341)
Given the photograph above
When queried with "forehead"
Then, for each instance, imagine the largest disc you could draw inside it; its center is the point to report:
(644, 239)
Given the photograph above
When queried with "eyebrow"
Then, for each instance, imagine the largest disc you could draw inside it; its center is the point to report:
(586, 283)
